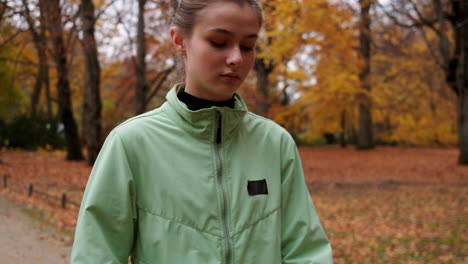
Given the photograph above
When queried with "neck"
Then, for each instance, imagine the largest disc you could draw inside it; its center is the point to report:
(195, 103)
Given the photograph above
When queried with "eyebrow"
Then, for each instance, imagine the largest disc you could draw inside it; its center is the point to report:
(227, 32)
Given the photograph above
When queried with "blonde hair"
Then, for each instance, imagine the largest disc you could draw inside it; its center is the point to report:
(185, 12)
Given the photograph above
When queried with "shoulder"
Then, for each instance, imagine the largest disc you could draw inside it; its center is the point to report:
(140, 123)
(140, 127)
(262, 125)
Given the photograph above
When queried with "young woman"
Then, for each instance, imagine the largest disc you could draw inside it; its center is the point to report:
(200, 179)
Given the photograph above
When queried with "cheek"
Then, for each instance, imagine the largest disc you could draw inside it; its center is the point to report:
(197, 59)
(249, 60)
(214, 58)
(207, 57)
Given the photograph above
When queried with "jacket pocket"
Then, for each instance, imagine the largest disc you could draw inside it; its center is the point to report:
(163, 240)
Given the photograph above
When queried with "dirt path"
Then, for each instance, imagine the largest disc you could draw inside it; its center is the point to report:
(25, 240)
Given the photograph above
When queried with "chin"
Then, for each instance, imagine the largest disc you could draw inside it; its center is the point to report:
(225, 87)
(229, 90)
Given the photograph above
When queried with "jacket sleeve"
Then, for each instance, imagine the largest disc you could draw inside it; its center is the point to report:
(303, 239)
(105, 228)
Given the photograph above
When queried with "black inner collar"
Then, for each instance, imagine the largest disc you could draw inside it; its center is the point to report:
(194, 103)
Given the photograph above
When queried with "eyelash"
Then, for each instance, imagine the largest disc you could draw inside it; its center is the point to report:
(222, 45)
(247, 49)
(217, 44)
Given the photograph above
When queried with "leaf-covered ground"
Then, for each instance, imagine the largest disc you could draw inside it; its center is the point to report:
(389, 205)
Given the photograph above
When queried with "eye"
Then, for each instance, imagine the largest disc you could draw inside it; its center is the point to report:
(218, 44)
(247, 48)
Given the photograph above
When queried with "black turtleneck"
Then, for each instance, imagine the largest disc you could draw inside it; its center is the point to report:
(194, 103)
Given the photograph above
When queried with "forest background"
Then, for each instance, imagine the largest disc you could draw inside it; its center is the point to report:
(356, 72)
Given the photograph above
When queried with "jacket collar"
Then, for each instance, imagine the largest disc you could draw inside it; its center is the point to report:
(204, 122)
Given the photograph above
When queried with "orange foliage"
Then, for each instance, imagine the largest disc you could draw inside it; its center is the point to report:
(314, 84)
(411, 103)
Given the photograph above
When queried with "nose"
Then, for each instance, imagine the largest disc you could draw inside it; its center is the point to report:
(234, 57)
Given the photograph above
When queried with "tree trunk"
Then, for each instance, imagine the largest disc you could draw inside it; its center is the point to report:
(39, 39)
(463, 127)
(91, 93)
(45, 65)
(462, 83)
(48, 96)
(141, 84)
(42, 78)
(343, 142)
(444, 42)
(263, 72)
(41, 71)
(365, 135)
(63, 84)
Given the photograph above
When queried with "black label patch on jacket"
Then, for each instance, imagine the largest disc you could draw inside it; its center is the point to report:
(257, 187)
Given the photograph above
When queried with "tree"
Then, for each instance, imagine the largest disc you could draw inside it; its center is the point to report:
(365, 135)
(326, 74)
(411, 103)
(40, 44)
(461, 29)
(91, 89)
(11, 97)
(141, 91)
(280, 42)
(146, 90)
(263, 68)
(3, 8)
(54, 16)
(451, 57)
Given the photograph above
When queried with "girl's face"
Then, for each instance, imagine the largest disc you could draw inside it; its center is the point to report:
(220, 51)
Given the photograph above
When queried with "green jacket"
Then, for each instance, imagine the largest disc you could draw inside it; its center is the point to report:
(165, 192)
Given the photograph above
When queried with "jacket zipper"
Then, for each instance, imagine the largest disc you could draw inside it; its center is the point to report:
(224, 207)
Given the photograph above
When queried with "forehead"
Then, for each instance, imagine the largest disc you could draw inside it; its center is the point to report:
(239, 19)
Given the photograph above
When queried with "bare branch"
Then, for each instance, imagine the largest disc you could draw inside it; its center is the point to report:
(11, 38)
(130, 40)
(73, 33)
(72, 46)
(425, 21)
(18, 61)
(103, 9)
(433, 54)
(157, 82)
(415, 23)
(3, 8)
(27, 16)
(8, 12)
(395, 19)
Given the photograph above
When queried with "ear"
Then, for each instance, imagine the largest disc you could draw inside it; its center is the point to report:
(178, 40)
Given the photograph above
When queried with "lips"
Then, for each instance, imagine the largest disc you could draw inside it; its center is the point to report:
(230, 76)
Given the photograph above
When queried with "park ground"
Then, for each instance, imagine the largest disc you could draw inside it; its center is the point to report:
(27, 239)
(389, 205)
